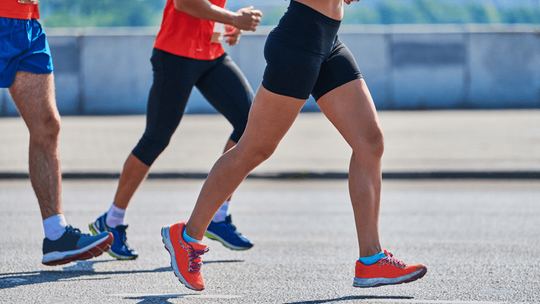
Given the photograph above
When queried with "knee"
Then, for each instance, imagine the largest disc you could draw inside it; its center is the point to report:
(256, 155)
(370, 145)
(148, 149)
(264, 153)
(46, 130)
(378, 145)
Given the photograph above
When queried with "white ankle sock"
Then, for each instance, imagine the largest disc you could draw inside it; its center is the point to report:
(54, 226)
(222, 213)
(115, 216)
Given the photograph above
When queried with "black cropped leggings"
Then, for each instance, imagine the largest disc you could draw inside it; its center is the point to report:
(220, 81)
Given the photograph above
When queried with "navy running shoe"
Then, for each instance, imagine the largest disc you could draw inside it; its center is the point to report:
(74, 245)
(119, 249)
(226, 233)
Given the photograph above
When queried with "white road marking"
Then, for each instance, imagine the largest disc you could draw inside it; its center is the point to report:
(498, 292)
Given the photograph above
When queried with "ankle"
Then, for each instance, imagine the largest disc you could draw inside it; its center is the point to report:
(370, 260)
(54, 226)
(189, 239)
(115, 216)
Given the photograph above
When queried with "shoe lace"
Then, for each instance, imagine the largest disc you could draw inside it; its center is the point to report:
(123, 237)
(392, 261)
(194, 257)
(232, 227)
(70, 229)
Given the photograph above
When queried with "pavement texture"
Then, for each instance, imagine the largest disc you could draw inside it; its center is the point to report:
(478, 237)
(417, 141)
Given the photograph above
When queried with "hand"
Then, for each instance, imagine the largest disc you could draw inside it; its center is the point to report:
(350, 1)
(247, 19)
(233, 33)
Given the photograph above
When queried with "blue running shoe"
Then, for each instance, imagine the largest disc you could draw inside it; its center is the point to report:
(74, 245)
(226, 233)
(119, 249)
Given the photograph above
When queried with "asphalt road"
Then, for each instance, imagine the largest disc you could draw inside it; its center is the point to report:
(479, 240)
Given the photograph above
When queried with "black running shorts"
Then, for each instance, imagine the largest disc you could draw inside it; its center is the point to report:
(304, 55)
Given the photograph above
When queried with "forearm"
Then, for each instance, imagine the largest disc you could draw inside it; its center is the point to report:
(205, 10)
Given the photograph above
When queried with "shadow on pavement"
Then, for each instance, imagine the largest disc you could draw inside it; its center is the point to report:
(163, 299)
(349, 298)
(80, 269)
(223, 261)
(166, 297)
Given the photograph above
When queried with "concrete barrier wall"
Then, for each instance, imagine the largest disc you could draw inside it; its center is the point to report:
(107, 71)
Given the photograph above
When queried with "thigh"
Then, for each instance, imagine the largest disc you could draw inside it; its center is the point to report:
(351, 110)
(33, 95)
(338, 69)
(228, 90)
(270, 118)
(174, 78)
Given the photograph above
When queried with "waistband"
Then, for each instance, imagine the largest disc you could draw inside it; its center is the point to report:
(304, 9)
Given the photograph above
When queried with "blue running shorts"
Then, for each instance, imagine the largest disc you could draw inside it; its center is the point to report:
(304, 55)
(23, 47)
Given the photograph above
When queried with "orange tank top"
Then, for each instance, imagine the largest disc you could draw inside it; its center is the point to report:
(184, 35)
(15, 10)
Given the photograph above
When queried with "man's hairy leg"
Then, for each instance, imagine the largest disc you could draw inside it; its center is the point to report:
(34, 97)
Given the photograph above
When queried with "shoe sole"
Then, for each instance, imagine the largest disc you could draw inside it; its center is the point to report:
(215, 237)
(95, 230)
(165, 238)
(376, 282)
(91, 251)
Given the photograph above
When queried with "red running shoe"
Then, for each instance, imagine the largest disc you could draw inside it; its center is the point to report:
(387, 271)
(185, 256)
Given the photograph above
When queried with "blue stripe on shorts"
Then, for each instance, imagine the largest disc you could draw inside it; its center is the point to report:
(23, 47)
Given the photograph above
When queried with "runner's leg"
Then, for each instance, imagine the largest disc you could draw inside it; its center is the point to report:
(270, 118)
(351, 110)
(33, 94)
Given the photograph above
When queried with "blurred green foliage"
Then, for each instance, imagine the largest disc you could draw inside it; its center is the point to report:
(437, 12)
(102, 13)
(89, 13)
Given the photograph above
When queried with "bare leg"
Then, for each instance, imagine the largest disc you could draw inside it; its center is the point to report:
(34, 97)
(230, 144)
(133, 174)
(270, 118)
(351, 110)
